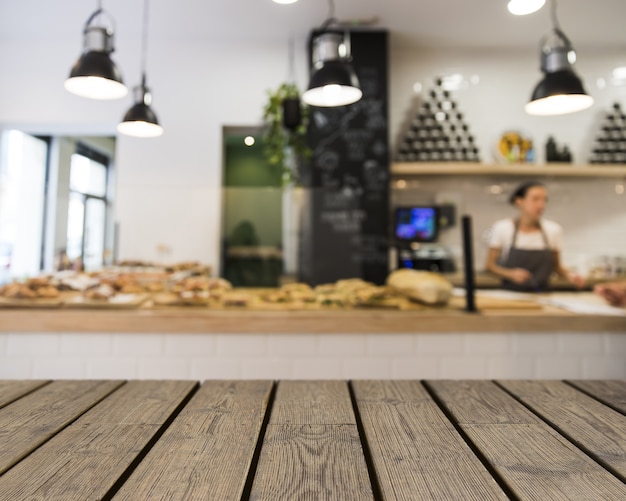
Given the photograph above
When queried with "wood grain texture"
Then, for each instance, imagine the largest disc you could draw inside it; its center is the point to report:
(164, 440)
(534, 460)
(33, 419)
(482, 402)
(11, 390)
(416, 451)
(207, 451)
(312, 402)
(312, 448)
(196, 320)
(88, 457)
(611, 392)
(597, 428)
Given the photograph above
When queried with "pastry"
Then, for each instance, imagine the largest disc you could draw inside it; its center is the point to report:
(423, 286)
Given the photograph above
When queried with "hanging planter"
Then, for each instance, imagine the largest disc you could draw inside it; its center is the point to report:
(286, 120)
(292, 112)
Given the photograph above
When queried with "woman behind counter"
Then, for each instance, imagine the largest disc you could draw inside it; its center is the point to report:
(525, 251)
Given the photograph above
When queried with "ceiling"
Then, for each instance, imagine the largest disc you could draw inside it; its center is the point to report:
(467, 24)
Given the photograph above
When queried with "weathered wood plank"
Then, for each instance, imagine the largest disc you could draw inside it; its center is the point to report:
(207, 451)
(597, 428)
(312, 448)
(535, 461)
(611, 392)
(481, 402)
(32, 420)
(313, 402)
(11, 390)
(416, 451)
(87, 458)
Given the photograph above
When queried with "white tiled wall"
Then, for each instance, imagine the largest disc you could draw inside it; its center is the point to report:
(312, 356)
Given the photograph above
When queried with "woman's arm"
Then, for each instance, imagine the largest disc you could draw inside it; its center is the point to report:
(517, 275)
(562, 272)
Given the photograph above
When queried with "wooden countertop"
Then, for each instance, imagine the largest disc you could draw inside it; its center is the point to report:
(486, 280)
(502, 318)
(356, 440)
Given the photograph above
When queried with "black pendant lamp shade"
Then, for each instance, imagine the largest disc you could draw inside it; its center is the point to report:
(560, 83)
(95, 75)
(140, 120)
(560, 91)
(333, 82)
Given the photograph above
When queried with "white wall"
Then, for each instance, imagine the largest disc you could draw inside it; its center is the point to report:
(505, 83)
(168, 189)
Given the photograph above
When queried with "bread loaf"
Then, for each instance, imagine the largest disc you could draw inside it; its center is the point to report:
(423, 286)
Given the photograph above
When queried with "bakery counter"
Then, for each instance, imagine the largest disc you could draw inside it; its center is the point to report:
(505, 339)
(493, 316)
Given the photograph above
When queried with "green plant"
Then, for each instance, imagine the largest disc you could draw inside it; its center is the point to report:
(285, 147)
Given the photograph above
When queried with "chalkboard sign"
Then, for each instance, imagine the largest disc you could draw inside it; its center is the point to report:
(348, 176)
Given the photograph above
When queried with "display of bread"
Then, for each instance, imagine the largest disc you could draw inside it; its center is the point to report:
(188, 284)
(423, 286)
(33, 288)
(200, 289)
(102, 292)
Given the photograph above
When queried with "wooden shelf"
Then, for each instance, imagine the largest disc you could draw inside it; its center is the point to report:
(474, 169)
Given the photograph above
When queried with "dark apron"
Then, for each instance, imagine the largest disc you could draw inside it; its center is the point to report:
(539, 262)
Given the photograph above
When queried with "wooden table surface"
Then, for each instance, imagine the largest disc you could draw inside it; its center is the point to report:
(291, 440)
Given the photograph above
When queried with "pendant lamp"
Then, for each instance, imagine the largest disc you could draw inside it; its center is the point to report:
(95, 75)
(560, 91)
(140, 120)
(333, 81)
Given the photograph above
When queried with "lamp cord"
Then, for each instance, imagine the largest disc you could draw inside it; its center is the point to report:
(331, 15)
(291, 77)
(555, 21)
(557, 27)
(100, 12)
(144, 43)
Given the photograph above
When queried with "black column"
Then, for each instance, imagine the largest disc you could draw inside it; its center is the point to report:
(346, 222)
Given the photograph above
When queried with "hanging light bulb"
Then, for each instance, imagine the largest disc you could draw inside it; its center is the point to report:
(334, 81)
(140, 120)
(95, 75)
(560, 91)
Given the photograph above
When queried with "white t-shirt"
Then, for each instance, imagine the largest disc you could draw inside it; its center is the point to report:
(503, 230)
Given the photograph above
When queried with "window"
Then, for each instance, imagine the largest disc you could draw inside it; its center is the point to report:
(23, 178)
(86, 222)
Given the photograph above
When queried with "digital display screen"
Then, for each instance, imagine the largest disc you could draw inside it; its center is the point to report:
(416, 224)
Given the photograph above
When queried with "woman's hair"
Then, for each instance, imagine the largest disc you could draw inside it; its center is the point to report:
(522, 189)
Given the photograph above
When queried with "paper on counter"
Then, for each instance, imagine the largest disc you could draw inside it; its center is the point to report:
(496, 293)
(583, 303)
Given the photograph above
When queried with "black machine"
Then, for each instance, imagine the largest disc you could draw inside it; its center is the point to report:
(415, 232)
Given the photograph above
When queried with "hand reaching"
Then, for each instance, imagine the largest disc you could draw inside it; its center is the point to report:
(614, 292)
(519, 275)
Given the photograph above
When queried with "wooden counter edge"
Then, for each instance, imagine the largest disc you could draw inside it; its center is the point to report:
(191, 320)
